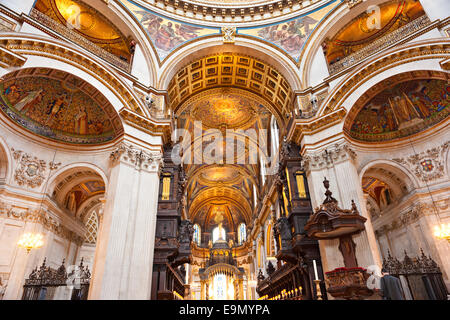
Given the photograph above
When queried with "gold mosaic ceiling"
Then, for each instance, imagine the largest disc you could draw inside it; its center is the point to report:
(231, 70)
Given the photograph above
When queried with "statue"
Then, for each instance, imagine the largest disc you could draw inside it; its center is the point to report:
(284, 229)
(185, 231)
(260, 276)
(270, 268)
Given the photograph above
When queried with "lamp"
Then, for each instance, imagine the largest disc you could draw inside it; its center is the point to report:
(442, 231)
(30, 241)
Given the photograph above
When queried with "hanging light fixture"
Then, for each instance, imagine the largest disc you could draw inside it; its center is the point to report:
(32, 240)
(442, 232)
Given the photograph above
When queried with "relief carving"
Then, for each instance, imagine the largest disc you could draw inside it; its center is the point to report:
(30, 170)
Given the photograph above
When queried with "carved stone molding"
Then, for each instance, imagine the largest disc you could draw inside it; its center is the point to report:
(353, 3)
(229, 34)
(412, 215)
(329, 157)
(140, 159)
(30, 170)
(428, 165)
(41, 217)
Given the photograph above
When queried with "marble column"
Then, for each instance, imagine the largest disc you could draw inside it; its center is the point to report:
(337, 164)
(124, 256)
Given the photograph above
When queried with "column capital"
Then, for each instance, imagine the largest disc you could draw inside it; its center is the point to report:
(137, 157)
(328, 157)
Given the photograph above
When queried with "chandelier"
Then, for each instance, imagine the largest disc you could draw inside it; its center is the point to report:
(30, 241)
(442, 232)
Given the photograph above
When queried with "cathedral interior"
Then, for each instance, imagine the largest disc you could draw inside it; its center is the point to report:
(224, 149)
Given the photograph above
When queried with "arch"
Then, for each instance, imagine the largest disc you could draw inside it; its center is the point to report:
(60, 174)
(408, 83)
(214, 45)
(34, 98)
(61, 56)
(5, 162)
(403, 58)
(400, 171)
(328, 28)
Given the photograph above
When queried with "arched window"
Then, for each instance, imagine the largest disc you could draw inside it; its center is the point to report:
(197, 234)
(242, 233)
(218, 234)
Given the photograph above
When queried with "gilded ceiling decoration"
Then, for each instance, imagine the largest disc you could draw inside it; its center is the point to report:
(366, 28)
(231, 70)
(59, 106)
(220, 174)
(81, 192)
(398, 109)
(88, 22)
(377, 189)
(229, 110)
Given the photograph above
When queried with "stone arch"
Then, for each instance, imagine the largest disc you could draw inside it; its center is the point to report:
(5, 162)
(89, 180)
(416, 56)
(403, 174)
(214, 45)
(387, 84)
(331, 25)
(61, 56)
(74, 97)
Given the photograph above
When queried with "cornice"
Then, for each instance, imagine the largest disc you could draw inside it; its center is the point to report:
(231, 12)
(301, 127)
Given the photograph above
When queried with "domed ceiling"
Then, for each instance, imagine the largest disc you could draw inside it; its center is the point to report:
(365, 28)
(399, 109)
(229, 110)
(88, 22)
(59, 106)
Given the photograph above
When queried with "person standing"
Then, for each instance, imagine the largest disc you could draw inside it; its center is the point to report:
(391, 287)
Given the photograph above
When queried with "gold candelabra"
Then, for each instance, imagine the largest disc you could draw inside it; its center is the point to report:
(318, 291)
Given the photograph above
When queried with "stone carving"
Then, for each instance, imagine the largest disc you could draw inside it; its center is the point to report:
(229, 34)
(185, 231)
(137, 157)
(270, 268)
(42, 217)
(328, 157)
(284, 230)
(427, 165)
(353, 3)
(30, 170)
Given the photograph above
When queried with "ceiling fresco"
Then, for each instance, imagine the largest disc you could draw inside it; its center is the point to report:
(59, 106)
(402, 109)
(229, 110)
(291, 35)
(166, 34)
(87, 22)
(363, 30)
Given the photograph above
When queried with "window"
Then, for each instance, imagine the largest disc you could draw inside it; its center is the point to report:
(242, 233)
(92, 227)
(219, 234)
(197, 234)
